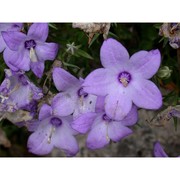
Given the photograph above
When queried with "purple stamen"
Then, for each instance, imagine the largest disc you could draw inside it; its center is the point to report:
(124, 78)
(30, 44)
(82, 93)
(106, 118)
(56, 121)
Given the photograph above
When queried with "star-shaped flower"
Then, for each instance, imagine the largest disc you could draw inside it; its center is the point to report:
(29, 51)
(124, 80)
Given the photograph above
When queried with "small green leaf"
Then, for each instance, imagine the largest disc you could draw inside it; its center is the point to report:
(175, 123)
(53, 26)
(82, 53)
(94, 38)
(70, 65)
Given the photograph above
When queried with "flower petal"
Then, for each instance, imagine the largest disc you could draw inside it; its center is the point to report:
(83, 123)
(45, 112)
(98, 82)
(159, 151)
(117, 105)
(46, 51)
(64, 140)
(131, 118)
(97, 137)
(100, 104)
(39, 31)
(37, 68)
(113, 54)
(13, 39)
(63, 79)
(145, 94)
(146, 63)
(2, 44)
(117, 131)
(38, 141)
(17, 60)
(63, 104)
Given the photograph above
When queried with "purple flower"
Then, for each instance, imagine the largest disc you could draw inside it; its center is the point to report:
(102, 128)
(17, 92)
(159, 151)
(29, 51)
(53, 131)
(124, 80)
(8, 27)
(72, 99)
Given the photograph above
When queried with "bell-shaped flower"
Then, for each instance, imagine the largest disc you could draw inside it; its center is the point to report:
(72, 99)
(101, 128)
(8, 27)
(17, 92)
(53, 131)
(124, 79)
(29, 51)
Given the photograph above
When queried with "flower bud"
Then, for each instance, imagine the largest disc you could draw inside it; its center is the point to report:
(164, 72)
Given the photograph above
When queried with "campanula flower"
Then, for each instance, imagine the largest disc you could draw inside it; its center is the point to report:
(72, 99)
(101, 128)
(8, 27)
(53, 131)
(29, 51)
(17, 92)
(124, 79)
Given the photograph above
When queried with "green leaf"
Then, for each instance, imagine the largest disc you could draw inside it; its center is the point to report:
(82, 53)
(94, 38)
(175, 123)
(70, 65)
(53, 26)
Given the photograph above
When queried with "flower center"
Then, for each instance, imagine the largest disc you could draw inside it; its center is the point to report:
(124, 78)
(82, 93)
(106, 118)
(56, 121)
(30, 44)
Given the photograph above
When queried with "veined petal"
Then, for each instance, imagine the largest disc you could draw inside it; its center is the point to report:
(145, 94)
(146, 63)
(38, 31)
(98, 137)
(117, 131)
(63, 79)
(117, 105)
(37, 68)
(63, 139)
(46, 51)
(99, 82)
(131, 117)
(63, 104)
(38, 141)
(100, 102)
(113, 54)
(13, 39)
(159, 151)
(45, 112)
(83, 123)
(17, 60)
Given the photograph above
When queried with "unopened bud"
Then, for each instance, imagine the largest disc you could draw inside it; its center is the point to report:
(164, 72)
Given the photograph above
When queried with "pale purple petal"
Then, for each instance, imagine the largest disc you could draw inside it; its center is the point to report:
(146, 63)
(113, 54)
(39, 31)
(131, 117)
(98, 82)
(97, 137)
(159, 151)
(117, 105)
(63, 104)
(64, 140)
(38, 141)
(45, 112)
(46, 51)
(63, 79)
(83, 123)
(37, 68)
(117, 131)
(100, 104)
(145, 94)
(13, 39)
(2, 44)
(17, 60)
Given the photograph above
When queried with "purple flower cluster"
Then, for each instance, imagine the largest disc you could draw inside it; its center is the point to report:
(103, 105)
